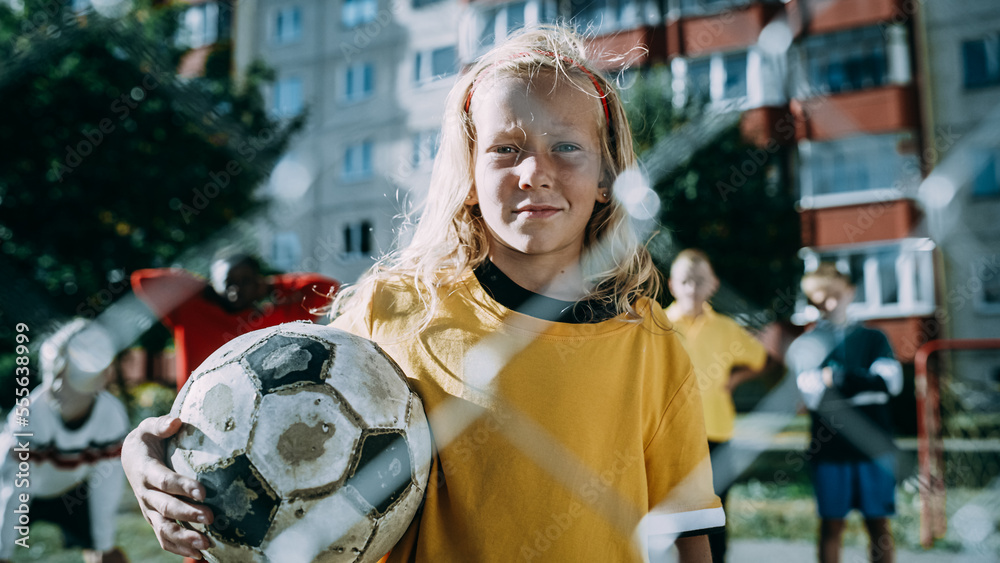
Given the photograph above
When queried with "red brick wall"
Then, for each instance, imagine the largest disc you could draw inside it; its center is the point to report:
(879, 110)
(906, 334)
(732, 29)
(824, 16)
(852, 224)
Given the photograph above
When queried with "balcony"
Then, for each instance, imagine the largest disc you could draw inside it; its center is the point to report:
(824, 16)
(734, 28)
(880, 110)
(856, 224)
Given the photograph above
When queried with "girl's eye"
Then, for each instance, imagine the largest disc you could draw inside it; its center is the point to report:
(566, 147)
(506, 150)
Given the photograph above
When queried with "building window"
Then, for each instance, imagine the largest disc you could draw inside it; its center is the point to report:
(700, 7)
(359, 82)
(986, 174)
(288, 97)
(435, 64)
(846, 61)
(719, 78)
(856, 164)
(603, 16)
(734, 79)
(201, 26)
(288, 25)
(981, 61)
(699, 81)
(425, 147)
(357, 162)
(358, 239)
(286, 251)
(985, 284)
(356, 12)
(498, 21)
(891, 280)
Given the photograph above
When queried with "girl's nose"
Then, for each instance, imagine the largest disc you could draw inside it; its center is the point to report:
(535, 171)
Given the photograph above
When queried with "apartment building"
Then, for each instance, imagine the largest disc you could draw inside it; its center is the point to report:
(372, 75)
(962, 193)
(826, 86)
(855, 99)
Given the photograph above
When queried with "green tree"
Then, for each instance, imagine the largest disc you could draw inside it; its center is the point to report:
(110, 161)
(721, 194)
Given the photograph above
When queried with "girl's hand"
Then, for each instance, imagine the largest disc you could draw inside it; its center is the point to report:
(159, 489)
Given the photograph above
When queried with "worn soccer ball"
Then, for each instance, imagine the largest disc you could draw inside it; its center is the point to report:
(309, 443)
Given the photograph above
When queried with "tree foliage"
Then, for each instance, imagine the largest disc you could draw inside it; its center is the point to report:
(731, 199)
(110, 162)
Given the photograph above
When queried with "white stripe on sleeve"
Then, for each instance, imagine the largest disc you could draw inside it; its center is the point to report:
(656, 523)
(889, 370)
(810, 384)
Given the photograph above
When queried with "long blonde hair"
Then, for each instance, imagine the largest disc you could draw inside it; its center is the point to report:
(450, 237)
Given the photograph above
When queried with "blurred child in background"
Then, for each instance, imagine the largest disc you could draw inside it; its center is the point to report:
(72, 444)
(205, 314)
(724, 356)
(846, 374)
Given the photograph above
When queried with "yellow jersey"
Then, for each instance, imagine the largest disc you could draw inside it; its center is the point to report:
(716, 344)
(553, 440)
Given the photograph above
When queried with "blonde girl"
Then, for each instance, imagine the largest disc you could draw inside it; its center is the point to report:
(566, 419)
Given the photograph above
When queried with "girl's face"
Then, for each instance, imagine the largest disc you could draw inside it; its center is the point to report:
(692, 284)
(537, 165)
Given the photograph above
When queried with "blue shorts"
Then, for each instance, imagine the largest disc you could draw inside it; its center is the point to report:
(869, 486)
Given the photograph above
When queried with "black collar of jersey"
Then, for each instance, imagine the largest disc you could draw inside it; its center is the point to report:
(507, 293)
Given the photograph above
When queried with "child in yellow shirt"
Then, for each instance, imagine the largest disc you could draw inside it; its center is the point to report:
(524, 298)
(724, 356)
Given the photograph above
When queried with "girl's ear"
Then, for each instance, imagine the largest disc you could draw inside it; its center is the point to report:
(603, 194)
(472, 198)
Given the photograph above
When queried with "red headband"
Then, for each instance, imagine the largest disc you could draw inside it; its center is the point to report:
(597, 85)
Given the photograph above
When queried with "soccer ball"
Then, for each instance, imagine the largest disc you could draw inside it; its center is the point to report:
(309, 443)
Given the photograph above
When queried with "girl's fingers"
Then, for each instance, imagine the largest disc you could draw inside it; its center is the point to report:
(172, 508)
(156, 475)
(177, 539)
(143, 460)
(160, 426)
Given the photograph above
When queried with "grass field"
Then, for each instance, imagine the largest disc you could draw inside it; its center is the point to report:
(134, 536)
(754, 511)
